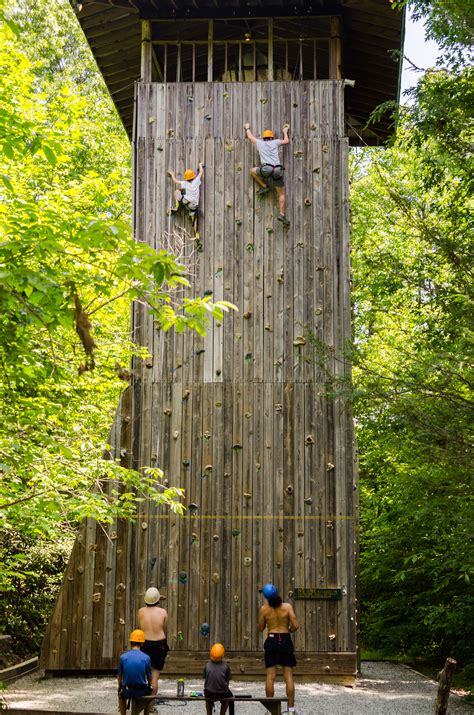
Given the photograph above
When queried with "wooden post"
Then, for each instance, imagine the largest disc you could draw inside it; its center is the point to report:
(147, 51)
(335, 49)
(210, 47)
(270, 49)
(445, 677)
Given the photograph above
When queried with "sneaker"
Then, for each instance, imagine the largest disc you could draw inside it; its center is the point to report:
(263, 191)
(283, 219)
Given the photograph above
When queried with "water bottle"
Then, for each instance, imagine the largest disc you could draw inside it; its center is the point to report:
(180, 687)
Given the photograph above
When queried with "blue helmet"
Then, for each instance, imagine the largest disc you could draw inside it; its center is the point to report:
(269, 590)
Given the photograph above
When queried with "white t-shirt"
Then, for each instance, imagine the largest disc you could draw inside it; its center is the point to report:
(268, 151)
(191, 190)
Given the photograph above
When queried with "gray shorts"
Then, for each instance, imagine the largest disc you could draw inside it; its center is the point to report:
(265, 175)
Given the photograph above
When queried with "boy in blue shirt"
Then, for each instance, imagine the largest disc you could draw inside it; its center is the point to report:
(134, 673)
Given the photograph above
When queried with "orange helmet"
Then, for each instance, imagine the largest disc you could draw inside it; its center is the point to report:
(137, 636)
(189, 174)
(217, 652)
(268, 134)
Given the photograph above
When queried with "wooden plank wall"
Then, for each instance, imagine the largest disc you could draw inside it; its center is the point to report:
(244, 419)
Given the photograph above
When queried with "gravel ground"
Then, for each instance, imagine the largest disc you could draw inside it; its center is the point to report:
(382, 689)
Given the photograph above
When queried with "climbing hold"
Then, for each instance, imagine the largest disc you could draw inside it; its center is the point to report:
(248, 357)
(207, 435)
(151, 120)
(268, 328)
(159, 148)
(192, 507)
(186, 394)
(238, 336)
(295, 104)
(308, 501)
(247, 495)
(238, 221)
(167, 412)
(316, 170)
(200, 351)
(229, 205)
(247, 561)
(250, 247)
(329, 466)
(300, 532)
(228, 147)
(309, 440)
(180, 636)
(96, 597)
(298, 154)
(208, 117)
(307, 202)
(280, 278)
(290, 489)
(226, 475)
(226, 95)
(216, 578)
(185, 462)
(325, 147)
(113, 535)
(248, 415)
(204, 629)
(247, 315)
(300, 553)
(218, 403)
(194, 538)
(215, 537)
(264, 100)
(170, 133)
(208, 468)
(278, 407)
(237, 446)
(144, 525)
(190, 98)
(183, 577)
(152, 562)
(332, 636)
(269, 229)
(313, 126)
(258, 466)
(175, 434)
(299, 341)
(278, 564)
(235, 532)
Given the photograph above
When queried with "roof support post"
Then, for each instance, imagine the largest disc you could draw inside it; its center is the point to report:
(210, 48)
(270, 49)
(335, 49)
(147, 51)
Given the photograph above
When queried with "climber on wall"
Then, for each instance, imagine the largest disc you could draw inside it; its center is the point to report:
(271, 167)
(187, 194)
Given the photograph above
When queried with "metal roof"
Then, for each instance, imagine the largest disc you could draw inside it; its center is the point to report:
(372, 31)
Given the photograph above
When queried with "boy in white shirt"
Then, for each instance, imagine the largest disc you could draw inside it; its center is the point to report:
(187, 194)
(271, 167)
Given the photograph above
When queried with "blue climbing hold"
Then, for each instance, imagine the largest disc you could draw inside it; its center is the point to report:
(269, 590)
(204, 629)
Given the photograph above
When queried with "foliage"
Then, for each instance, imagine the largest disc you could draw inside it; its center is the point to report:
(69, 270)
(412, 228)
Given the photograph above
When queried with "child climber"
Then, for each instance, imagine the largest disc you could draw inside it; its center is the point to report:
(216, 681)
(187, 194)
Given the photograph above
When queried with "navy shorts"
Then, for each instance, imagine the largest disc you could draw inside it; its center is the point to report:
(157, 650)
(279, 651)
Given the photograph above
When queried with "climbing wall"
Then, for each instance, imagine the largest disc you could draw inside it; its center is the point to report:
(246, 419)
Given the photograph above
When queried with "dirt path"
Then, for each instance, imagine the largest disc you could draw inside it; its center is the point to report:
(382, 689)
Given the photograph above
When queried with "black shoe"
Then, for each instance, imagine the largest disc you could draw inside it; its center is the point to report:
(263, 191)
(283, 219)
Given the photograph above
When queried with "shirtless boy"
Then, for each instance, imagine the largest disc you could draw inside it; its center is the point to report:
(152, 619)
(279, 619)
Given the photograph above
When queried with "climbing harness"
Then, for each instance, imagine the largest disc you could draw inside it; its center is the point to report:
(270, 171)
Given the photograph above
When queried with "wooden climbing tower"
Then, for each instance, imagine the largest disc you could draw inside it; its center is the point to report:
(254, 420)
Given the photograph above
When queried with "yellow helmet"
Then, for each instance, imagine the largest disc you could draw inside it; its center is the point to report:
(189, 174)
(268, 134)
(217, 652)
(137, 636)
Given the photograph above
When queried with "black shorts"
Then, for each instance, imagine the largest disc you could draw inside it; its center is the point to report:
(276, 182)
(279, 651)
(157, 650)
(216, 697)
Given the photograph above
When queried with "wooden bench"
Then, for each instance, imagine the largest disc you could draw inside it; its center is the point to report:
(273, 705)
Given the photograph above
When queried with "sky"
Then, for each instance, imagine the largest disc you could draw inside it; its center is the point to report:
(421, 52)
